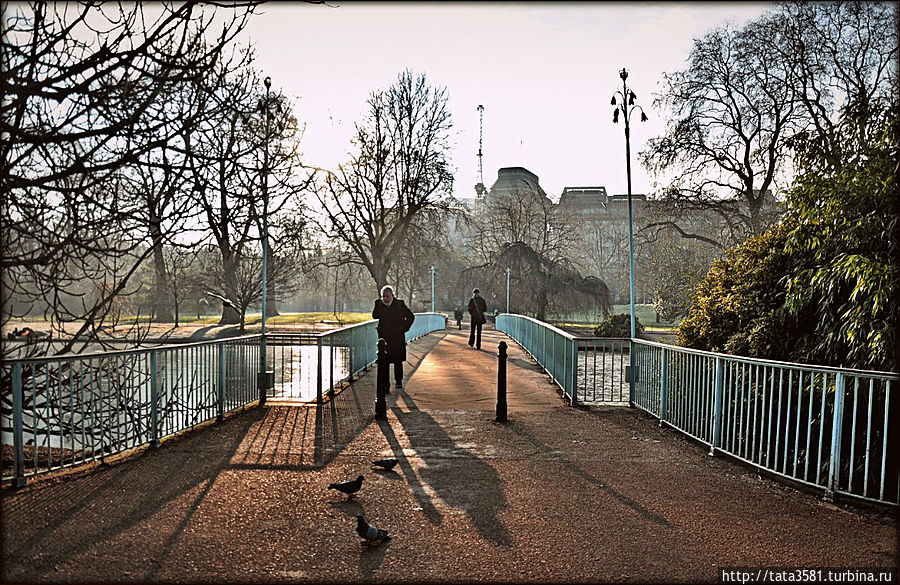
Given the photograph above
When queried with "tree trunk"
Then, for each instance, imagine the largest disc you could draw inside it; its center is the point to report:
(271, 303)
(378, 269)
(230, 313)
(231, 316)
(162, 308)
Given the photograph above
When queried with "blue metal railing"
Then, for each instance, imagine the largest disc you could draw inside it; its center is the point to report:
(554, 349)
(68, 410)
(307, 366)
(827, 428)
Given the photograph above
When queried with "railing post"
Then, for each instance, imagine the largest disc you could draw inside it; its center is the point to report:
(543, 359)
(834, 463)
(319, 377)
(574, 376)
(18, 438)
(154, 399)
(630, 372)
(501, 383)
(716, 440)
(381, 381)
(262, 379)
(664, 388)
(221, 389)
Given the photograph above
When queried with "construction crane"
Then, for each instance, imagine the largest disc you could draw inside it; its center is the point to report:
(479, 187)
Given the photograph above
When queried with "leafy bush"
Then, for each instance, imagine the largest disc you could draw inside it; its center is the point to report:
(846, 236)
(737, 309)
(618, 325)
(819, 287)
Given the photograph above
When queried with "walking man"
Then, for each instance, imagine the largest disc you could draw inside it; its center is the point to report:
(477, 307)
(394, 320)
(458, 315)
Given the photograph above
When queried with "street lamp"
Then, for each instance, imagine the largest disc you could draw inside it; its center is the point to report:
(432, 289)
(265, 192)
(507, 289)
(263, 379)
(624, 102)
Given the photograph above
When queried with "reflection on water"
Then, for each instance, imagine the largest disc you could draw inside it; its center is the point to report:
(296, 369)
(295, 366)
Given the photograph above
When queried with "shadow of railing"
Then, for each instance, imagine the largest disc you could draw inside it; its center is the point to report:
(182, 470)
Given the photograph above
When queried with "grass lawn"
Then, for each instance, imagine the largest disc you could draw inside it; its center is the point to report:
(644, 313)
(283, 319)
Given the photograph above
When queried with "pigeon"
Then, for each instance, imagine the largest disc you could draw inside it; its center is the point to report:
(369, 533)
(349, 487)
(386, 464)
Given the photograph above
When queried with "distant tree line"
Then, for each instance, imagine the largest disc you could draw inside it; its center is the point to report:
(138, 134)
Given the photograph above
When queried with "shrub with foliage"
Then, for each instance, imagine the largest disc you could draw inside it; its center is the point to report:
(618, 325)
(738, 308)
(819, 287)
(844, 288)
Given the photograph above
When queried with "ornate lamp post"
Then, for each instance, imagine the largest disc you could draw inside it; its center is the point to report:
(263, 378)
(265, 193)
(624, 102)
(432, 289)
(507, 290)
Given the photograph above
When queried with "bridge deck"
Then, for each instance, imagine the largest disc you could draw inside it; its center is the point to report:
(556, 494)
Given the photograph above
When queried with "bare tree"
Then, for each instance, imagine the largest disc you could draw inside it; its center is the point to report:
(252, 138)
(730, 112)
(400, 167)
(86, 90)
(751, 98)
(843, 54)
(672, 270)
(427, 245)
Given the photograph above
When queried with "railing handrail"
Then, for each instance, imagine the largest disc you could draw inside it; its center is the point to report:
(762, 361)
(123, 352)
(343, 328)
(541, 324)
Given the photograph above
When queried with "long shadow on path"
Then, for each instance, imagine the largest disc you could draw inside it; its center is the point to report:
(59, 521)
(449, 472)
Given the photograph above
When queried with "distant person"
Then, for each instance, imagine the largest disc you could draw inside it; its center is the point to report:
(458, 315)
(394, 320)
(477, 307)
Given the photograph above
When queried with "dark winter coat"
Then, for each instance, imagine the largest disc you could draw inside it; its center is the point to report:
(393, 323)
(477, 307)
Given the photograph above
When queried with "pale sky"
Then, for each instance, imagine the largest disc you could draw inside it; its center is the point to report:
(544, 72)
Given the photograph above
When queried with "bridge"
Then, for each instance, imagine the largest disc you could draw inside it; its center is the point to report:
(590, 494)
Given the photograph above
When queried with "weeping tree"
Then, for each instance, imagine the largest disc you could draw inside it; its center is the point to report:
(545, 283)
(521, 230)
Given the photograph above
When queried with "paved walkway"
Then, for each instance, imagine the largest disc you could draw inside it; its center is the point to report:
(557, 494)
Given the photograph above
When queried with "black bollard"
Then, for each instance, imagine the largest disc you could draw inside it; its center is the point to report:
(501, 384)
(381, 381)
